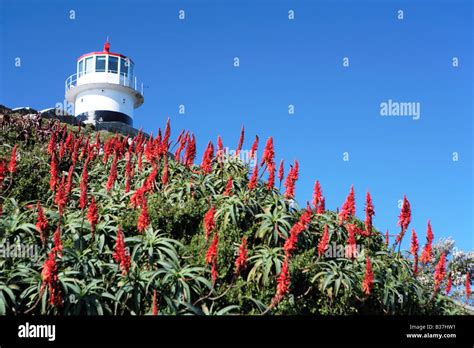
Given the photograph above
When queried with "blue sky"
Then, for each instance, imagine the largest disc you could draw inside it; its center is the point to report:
(283, 62)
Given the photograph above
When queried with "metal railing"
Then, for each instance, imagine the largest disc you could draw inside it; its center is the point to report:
(122, 79)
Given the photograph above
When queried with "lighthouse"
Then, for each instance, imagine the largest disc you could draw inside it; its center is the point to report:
(104, 88)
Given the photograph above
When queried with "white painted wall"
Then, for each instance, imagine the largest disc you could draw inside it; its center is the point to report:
(104, 99)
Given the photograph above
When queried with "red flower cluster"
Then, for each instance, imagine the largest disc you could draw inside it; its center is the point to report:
(53, 171)
(209, 221)
(351, 250)
(317, 196)
(241, 142)
(298, 227)
(143, 218)
(323, 243)
(348, 208)
(190, 153)
(281, 171)
(164, 176)
(92, 214)
(211, 257)
(3, 170)
(12, 164)
(112, 174)
(291, 181)
(283, 282)
(241, 260)
(60, 198)
(404, 218)
(369, 277)
(41, 223)
(253, 150)
(49, 277)
(369, 213)
(57, 244)
(440, 272)
(426, 254)
(206, 163)
(83, 187)
(414, 251)
(121, 255)
(254, 178)
(155, 304)
(449, 284)
(268, 152)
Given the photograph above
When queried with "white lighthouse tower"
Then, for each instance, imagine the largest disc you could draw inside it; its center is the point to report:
(104, 88)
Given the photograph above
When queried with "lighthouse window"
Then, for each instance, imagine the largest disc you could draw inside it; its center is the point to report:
(100, 63)
(80, 68)
(89, 65)
(124, 67)
(113, 64)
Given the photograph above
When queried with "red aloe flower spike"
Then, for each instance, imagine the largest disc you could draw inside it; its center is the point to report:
(281, 171)
(449, 284)
(3, 171)
(211, 254)
(60, 198)
(323, 243)
(241, 142)
(271, 175)
(49, 277)
(426, 254)
(12, 164)
(298, 227)
(348, 208)
(69, 181)
(120, 254)
(112, 174)
(404, 218)
(369, 277)
(190, 153)
(182, 143)
(155, 304)
(228, 187)
(253, 179)
(92, 214)
(241, 260)
(351, 250)
(440, 272)
(143, 219)
(83, 187)
(369, 213)
(166, 137)
(41, 223)
(386, 238)
(52, 144)
(53, 181)
(317, 195)
(414, 251)
(322, 206)
(254, 148)
(209, 222)
(206, 163)
(291, 181)
(58, 246)
(220, 146)
(283, 282)
(468, 286)
(164, 177)
(268, 152)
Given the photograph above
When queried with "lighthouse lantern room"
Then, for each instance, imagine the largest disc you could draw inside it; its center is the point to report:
(104, 88)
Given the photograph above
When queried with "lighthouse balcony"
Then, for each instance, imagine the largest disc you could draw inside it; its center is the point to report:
(104, 77)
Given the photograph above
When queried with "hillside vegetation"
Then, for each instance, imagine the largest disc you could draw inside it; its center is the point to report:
(106, 224)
